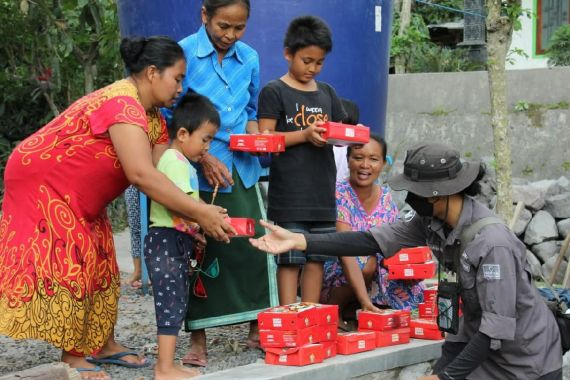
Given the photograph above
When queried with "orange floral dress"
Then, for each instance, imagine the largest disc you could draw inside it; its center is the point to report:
(59, 279)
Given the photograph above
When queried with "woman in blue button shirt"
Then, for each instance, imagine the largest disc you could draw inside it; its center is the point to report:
(227, 71)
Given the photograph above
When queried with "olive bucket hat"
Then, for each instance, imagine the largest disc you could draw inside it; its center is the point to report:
(432, 170)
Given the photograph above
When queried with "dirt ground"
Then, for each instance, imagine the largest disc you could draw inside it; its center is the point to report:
(136, 329)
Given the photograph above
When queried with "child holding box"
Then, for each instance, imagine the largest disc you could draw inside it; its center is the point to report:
(302, 179)
(171, 239)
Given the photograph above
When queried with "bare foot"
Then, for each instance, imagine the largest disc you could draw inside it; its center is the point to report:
(112, 348)
(176, 372)
(134, 281)
(195, 358)
(83, 367)
(198, 354)
(253, 336)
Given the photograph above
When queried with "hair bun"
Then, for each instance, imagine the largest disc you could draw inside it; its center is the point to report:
(131, 49)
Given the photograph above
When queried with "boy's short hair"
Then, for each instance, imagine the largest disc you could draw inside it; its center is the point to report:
(307, 31)
(191, 112)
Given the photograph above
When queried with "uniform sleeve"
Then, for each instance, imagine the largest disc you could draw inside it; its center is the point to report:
(338, 114)
(407, 232)
(496, 282)
(270, 106)
(349, 243)
(253, 90)
(179, 173)
(117, 110)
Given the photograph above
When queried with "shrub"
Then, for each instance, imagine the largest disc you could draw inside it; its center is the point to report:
(559, 51)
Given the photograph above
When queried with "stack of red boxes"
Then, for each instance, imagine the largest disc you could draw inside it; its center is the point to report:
(426, 326)
(411, 263)
(328, 328)
(298, 334)
(428, 309)
(390, 327)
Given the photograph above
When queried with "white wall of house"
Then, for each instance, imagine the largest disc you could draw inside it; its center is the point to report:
(525, 39)
(553, 14)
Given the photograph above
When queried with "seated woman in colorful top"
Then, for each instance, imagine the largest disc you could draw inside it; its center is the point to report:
(361, 204)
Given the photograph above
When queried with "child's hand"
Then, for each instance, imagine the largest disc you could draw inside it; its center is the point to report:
(212, 220)
(313, 134)
(200, 240)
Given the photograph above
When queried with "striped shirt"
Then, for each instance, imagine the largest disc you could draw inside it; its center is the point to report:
(233, 87)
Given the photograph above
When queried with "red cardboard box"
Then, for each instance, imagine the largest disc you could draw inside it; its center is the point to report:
(327, 333)
(430, 295)
(386, 320)
(425, 329)
(329, 349)
(392, 337)
(427, 310)
(355, 342)
(411, 271)
(327, 314)
(268, 143)
(415, 255)
(243, 226)
(294, 338)
(403, 318)
(345, 134)
(296, 356)
(288, 317)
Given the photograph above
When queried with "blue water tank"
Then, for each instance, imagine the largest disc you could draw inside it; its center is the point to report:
(357, 67)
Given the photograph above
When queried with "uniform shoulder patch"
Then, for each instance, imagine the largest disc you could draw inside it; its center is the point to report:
(409, 216)
(492, 271)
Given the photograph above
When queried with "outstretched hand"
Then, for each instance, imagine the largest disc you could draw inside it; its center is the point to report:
(279, 240)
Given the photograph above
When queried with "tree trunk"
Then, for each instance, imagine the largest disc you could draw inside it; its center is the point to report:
(405, 17)
(499, 35)
(89, 75)
(397, 6)
(49, 99)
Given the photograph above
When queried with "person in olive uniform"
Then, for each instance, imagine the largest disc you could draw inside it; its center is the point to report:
(507, 331)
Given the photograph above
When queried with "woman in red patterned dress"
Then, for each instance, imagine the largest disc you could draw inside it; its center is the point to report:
(60, 280)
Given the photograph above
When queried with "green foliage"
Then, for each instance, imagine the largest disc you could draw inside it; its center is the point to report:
(416, 35)
(559, 51)
(561, 105)
(521, 106)
(419, 52)
(436, 15)
(439, 111)
(117, 211)
(527, 171)
(52, 53)
(516, 51)
(566, 166)
(513, 10)
(430, 58)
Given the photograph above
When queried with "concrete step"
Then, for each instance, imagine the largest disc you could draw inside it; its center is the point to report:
(340, 367)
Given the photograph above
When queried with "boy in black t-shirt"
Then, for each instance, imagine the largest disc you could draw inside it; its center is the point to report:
(302, 179)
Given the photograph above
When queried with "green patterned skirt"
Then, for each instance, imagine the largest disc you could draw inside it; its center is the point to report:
(238, 280)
